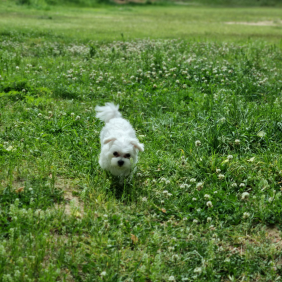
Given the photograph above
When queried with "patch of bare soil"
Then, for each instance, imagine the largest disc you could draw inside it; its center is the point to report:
(260, 23)
(129, 1)
(71, 201)
(274, 235)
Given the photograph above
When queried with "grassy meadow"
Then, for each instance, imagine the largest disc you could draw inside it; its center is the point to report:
(205, 98)
(108, 23)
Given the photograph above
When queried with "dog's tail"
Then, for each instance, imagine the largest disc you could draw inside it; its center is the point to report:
(107, 112)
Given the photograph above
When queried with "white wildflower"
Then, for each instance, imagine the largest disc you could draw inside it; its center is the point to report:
(229, 157)
(261, 134)
(245, 196)
(10, 148)
(184, 186)
(246, 215)
(221, 176)
(190, 236)
(198, 270)
(198, 143)
(175, 257)
(237, 142)
(200, 185)
(209, 204)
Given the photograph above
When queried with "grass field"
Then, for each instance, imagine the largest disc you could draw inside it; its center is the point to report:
(169, 22)
(205, 202)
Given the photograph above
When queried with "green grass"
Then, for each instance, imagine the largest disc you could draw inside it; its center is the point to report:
(205, 202)
(108, 23)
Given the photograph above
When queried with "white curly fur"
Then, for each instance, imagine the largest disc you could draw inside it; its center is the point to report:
(119, 145)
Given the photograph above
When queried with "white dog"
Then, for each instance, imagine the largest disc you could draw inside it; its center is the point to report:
(119, 145)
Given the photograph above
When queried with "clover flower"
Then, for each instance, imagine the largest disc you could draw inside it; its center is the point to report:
(221, 176)
(190, 236)
(209, 204)
(175, 257)
(198, 270)
(200, 185)
(245, 196)
(237, 142)
(229, 157)
(198, 143)
(184, 186)
(246, 215)
(207, 196)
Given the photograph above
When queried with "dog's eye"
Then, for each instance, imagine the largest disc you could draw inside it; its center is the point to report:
(127, 156)
(116, 154)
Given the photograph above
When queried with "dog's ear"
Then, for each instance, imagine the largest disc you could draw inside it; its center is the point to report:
(108, 140)
(137, 145)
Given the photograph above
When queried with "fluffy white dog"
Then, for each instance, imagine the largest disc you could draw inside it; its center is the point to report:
(119, 145)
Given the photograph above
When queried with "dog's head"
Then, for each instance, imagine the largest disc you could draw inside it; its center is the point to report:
(123, 152)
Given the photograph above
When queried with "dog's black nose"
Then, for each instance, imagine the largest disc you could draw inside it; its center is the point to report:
(120, 162)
